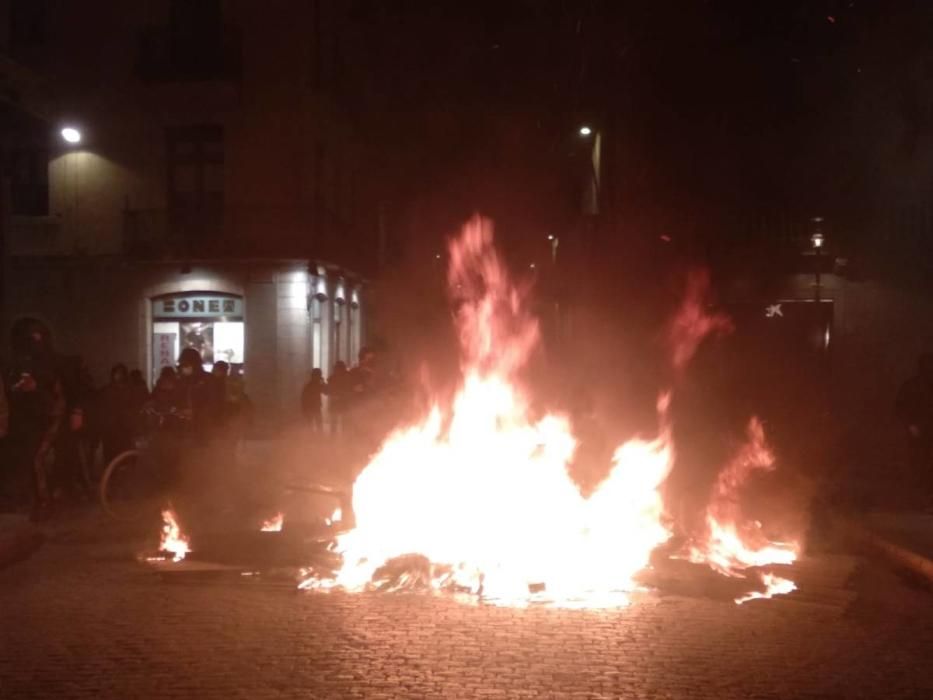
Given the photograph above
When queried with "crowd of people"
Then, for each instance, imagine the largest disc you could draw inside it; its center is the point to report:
(346, 391)
(58, 430)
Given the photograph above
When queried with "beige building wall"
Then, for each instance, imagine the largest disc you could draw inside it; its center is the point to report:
(285, 143)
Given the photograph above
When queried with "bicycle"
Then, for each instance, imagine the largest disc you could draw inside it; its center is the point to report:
(134, 482)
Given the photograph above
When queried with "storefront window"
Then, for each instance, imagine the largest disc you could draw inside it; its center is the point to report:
(210, 323)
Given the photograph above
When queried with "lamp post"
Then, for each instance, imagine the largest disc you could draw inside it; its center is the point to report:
(817, 240)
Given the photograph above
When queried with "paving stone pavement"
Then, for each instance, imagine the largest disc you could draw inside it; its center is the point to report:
(82, 619)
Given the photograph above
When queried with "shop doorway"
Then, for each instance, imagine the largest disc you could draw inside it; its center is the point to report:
(211, 323)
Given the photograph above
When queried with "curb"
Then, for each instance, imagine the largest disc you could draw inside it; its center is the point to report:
(895, 553)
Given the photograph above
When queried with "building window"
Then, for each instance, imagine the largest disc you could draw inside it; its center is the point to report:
(27, 23)
(28, 171)
(210, 323)
(317, 174)
(195, 158)
(316, 35)
(196, 44)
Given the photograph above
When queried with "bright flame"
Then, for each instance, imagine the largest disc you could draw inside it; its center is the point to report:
(731, 544)
(692, 323)
(274, 524)
(476, 497)
(172, 540)
(774, 585)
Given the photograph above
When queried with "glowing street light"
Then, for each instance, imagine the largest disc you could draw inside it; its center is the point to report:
(71, 135)
(585, 131)
(817, 240)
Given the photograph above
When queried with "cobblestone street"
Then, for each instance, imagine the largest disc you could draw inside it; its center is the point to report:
(82, 619)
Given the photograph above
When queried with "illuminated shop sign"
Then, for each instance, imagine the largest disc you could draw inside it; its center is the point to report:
(197, 306)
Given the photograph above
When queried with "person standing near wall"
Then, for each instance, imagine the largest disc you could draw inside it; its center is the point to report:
(914, 408)
(312, 401)
(339, 390)
(37, 406)
(116, 413)
(199, 397)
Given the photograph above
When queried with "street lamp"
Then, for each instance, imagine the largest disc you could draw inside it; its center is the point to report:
(817, 240)
(71, 135)
(585, 131)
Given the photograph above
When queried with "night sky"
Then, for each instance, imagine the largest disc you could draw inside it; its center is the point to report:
(713, 113)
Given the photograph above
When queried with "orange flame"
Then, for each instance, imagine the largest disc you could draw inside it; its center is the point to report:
(774, 585)
(480, 489)
(476, 496)
(274, 524)
(173, 541)
(692, 323)
(731, 545)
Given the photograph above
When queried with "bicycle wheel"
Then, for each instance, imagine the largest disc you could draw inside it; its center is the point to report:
(128, 489)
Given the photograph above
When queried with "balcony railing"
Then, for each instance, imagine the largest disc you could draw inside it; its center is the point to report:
(167, 233)
(243, 231)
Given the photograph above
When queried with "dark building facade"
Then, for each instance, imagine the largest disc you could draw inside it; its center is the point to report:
(212, 191)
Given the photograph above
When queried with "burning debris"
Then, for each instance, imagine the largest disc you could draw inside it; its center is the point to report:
(732, 544)
(274, 524)
(774, 585)
(172, 542)
(476, 497)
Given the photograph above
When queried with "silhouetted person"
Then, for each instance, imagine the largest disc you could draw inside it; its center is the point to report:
(37, 406)
(221, 371)
(73, 446)
(914, 408)
(339, 390)
(363, 378)
(163, 394)
(138, 389)
(311, 400)
(116, 413)
(198, 396)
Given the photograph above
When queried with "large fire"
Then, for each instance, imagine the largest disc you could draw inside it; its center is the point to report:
(476, 496)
